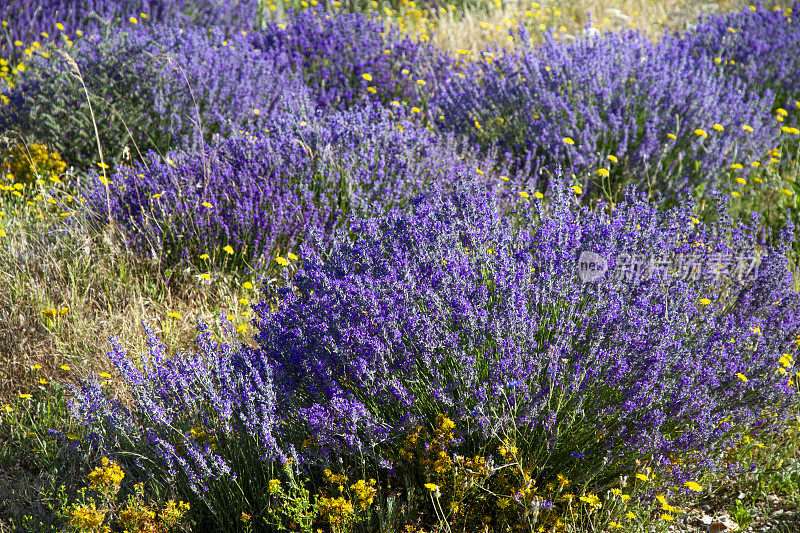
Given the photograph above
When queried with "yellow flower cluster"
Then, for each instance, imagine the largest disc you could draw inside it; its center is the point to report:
(26, 164)
(274, 486)
(107, 476)
(52, 313)
(86, 518)
(337, 511)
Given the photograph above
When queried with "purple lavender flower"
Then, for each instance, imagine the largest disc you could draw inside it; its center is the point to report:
(432, 312)
(759, 46)
(27, 21)
(266, 193)
(152, 87)
(348, 57)
(612, 109)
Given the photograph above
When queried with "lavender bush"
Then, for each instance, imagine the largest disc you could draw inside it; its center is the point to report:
(759, 46)
(462, 309)
(206, 421)
(153, 87)
(612, 109)
(455, 310)
(264, 194)
(26, 21)
(348, 57)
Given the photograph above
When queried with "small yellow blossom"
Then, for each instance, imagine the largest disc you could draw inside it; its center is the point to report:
(693, 486)
(705, 301)
(741, 377)
(592, 500)
(524, 194)
(228, 249)
(568, 140)
(366, 77)
(274, 485)
(577, 189)
(700, 133)
(174, 314)
(602, 172)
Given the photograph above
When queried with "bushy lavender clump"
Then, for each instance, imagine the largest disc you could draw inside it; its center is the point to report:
(759, 46)
(190, 416)
(342, 55)
(265, 193)
(616, 94)
(459, 309)
(151, 87)
(454, 309)
(27, 20)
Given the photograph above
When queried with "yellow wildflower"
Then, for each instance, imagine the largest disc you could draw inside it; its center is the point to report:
(693, 486)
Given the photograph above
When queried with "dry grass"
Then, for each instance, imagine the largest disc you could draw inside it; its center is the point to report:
(475, 28)
(51, 263)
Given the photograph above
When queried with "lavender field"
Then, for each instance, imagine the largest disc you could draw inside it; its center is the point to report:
(398, 266)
